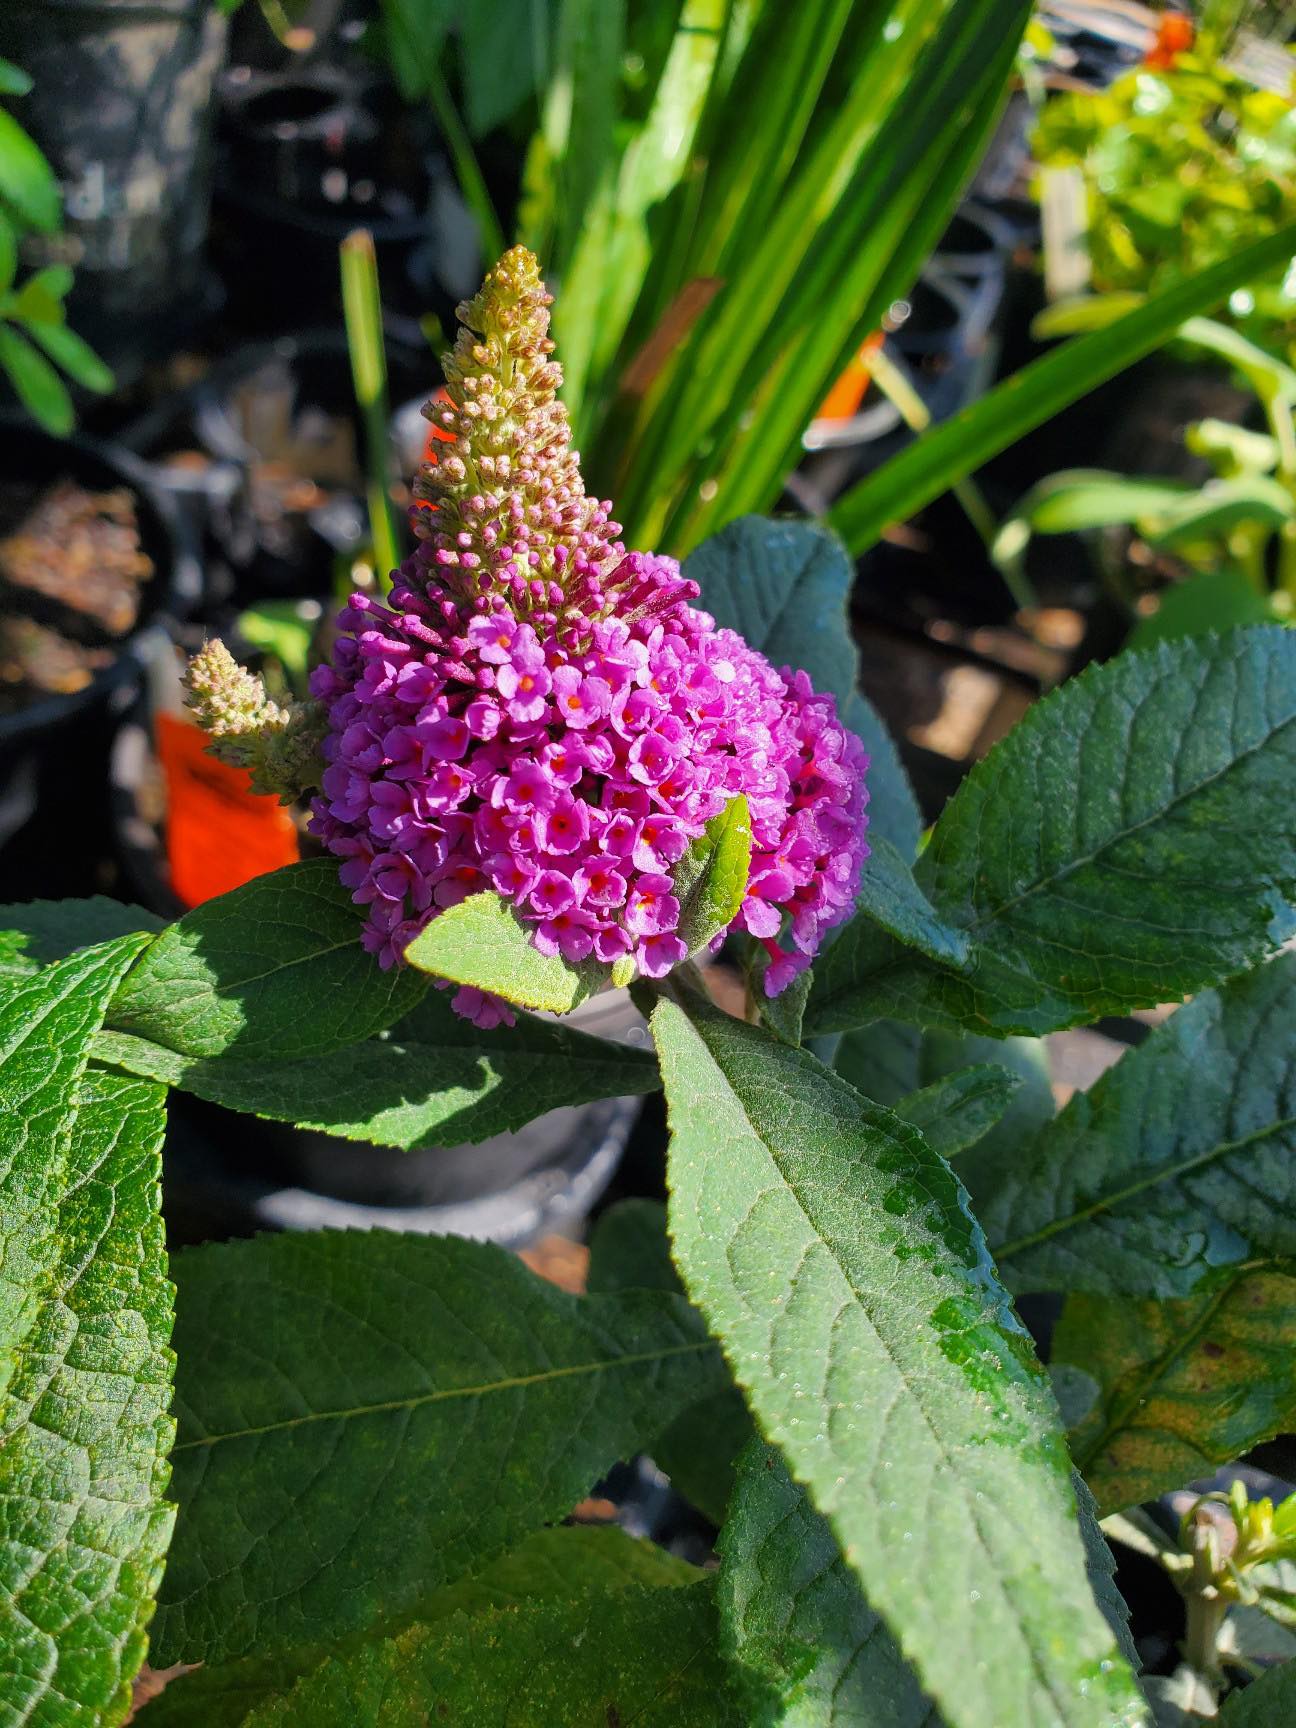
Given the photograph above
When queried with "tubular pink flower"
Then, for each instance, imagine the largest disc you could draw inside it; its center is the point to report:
(540, 712)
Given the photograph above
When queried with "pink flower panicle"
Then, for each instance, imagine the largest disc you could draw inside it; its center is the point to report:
(540, 712)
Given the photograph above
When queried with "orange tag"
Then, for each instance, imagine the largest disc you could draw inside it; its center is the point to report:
(219, 832)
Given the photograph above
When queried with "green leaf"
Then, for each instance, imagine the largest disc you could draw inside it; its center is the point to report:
(1265, 1703)
(710, 880)
(13, 80)
(505, 50)
(981, 1165)
(365, 1418)
(27, 182)
(1157, 1394)
(272, 970)
(891, 899)
(629, 1250)
(1176, 1164)
(893, 812)
(967, 440)
(832, 1253)
(45, 930)
(794, 1619)
(1132, 839)
(41, 297)
(954, 1112)
(8, 253)
(77, 358)
(1219, 599)
(550, 1563)
(881, 1060)
(436, 1081)
(483, 942)
(784, 1013)
(783, 586)
(47, 1020)
(85, 1426)
(635, 1655)
(36, 384)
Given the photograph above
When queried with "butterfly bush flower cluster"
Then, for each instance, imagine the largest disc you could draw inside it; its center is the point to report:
(538, 712)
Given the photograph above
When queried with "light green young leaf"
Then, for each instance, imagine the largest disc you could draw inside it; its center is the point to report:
(482, 942)
(36, 384)
(272, 970)
(47, 1020)
(365, 1418)
(27, 182)
(551, 1564)
(1157, 1394)
(833, 1254)
(710, 880)
(793, 1618)
(1176, 1164)
(1131, 840)
(954, 1112)
(68, 350)
(629, 1250)
(436, 1081)
(638, 1656)
(85, 1428)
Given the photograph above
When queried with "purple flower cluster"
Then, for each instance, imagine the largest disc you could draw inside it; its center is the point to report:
(567, 757)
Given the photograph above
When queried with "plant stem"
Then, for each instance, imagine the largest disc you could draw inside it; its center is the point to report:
(363, 309)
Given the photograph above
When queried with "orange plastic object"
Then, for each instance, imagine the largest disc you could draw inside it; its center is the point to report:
(849, 391)
(219, 832)
(1174, 36)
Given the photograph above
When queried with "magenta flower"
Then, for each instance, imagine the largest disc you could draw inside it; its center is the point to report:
(538, 711)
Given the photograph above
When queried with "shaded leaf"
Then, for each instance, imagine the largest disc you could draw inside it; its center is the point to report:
(46, 930)
(954, 1112)
(482, 942)
(881, 1060)
(85, 1427)
(1265, 1703)
(982, 1164)
(891, 899)
(365, 1418)
(1132, 839)
(436, 1081)
(833, 1254)
(1175, 1164)
(629, 1250)
(893, 812)
(710, 880)
(272, 970)
(1218, 599)
(635, 1655)
(1157, 1394)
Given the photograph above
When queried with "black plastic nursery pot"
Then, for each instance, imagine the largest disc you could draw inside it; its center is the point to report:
(122, 106)
(306, 157)
(54, 742)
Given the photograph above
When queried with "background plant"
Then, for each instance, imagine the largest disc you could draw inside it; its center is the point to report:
(35, 341)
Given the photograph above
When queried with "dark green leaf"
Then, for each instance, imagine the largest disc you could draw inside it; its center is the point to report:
(46, 930)
(36, 384)
(482, 942)
(794, 1619)
(893, 812)
(85, 1425)
(784, 1013)
(953, 1113)
(549, 1564)
(505, 48)
(980, 1166)
(8, 253)
(891, 899)
(1028, 398)
(1157, 1394)
(1219, 599)
(881, 1060)
(77, 358)
(1175, 1164)
(637, 1656)
(1266, 1703)
(710, 880)
(47, 1020)
(436, 1081)
(782, 586)
(629, 1250)
(833, 1254)
(27, 182)
(1132, 839)
(273, 969)
(365, 1418)
(13, 80)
